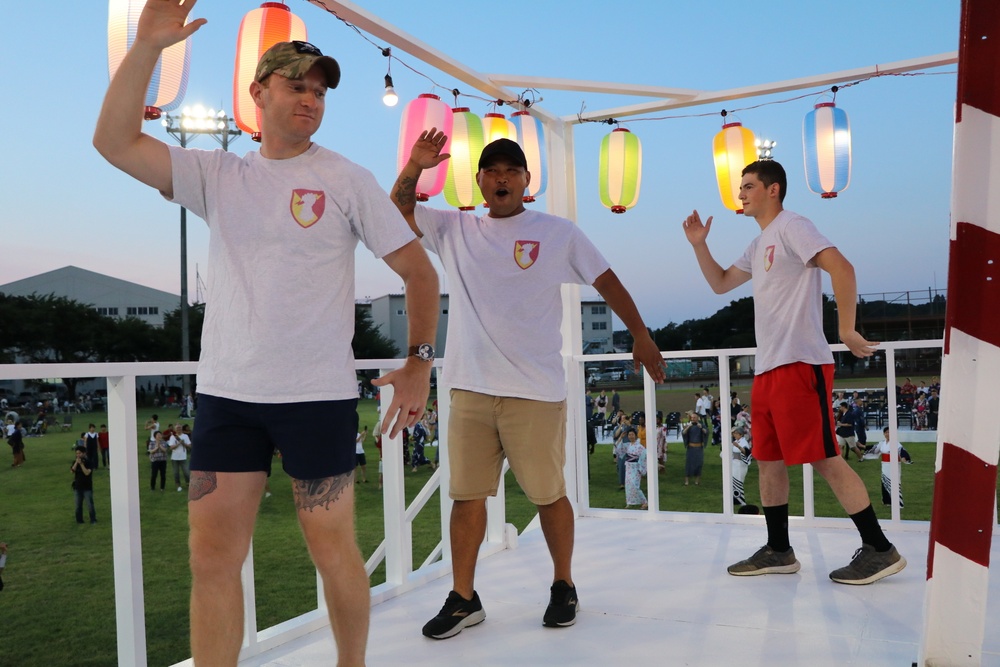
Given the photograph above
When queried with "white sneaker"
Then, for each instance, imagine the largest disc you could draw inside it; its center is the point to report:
(179, 488)
(267, 495)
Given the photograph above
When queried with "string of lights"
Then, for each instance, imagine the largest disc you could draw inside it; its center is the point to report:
(521, 101)
(826, 137)
(724, 112)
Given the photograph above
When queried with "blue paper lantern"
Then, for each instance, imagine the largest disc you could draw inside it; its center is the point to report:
(826, 145)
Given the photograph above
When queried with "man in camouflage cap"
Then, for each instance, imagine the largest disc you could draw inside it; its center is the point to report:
(293, 60)
(276, 367)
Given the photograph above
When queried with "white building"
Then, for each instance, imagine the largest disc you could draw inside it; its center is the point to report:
(595, 318)
(107, 295)
(389, 314)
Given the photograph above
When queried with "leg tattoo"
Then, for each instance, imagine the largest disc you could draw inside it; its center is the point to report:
(202, 483)
(310, 493)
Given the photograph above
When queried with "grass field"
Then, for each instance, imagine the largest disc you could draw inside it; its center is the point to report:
(58, 604)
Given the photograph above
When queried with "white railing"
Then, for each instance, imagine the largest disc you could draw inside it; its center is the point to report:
(722, 359)
(396, 549)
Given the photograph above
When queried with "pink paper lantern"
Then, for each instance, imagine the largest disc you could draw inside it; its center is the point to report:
(420, 115)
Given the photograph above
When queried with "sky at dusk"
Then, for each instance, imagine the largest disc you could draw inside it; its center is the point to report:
(63, 205)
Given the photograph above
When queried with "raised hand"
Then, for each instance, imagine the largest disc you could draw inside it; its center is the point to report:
(694, 230)
(163, 22)
(426, 152)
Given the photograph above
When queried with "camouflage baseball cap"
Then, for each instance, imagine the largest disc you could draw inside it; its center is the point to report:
(294, 59)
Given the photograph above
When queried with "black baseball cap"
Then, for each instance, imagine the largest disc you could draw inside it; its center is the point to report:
(503, 148)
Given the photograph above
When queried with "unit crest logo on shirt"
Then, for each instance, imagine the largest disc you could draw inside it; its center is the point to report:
(526, 253)
(768, 257)
(307, 206)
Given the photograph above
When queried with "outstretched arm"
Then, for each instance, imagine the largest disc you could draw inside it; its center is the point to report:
(411, 383)
(426, 154)
(644, 350)
(118, 136)
(845, 291)
(719, 279)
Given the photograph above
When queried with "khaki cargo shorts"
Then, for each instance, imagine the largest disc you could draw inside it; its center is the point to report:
(485, 429)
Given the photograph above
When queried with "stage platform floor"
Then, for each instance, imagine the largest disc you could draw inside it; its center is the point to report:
(657, 593)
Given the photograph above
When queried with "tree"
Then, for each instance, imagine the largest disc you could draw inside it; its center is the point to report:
(54, 329)
(369, 342)
(171, 333)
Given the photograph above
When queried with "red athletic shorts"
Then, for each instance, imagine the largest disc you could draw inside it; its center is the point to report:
(792, 414)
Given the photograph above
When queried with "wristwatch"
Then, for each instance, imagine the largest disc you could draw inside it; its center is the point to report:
(424, 351)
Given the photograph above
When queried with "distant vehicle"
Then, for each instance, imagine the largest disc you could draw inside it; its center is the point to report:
(615, 373)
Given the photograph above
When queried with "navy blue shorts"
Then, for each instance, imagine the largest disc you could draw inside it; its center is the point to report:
(316, 438)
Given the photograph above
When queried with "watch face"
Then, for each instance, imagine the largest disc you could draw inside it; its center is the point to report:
(425, 351)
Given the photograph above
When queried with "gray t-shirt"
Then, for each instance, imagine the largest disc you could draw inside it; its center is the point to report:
(787, 293)
(280, 303)
(505, 277)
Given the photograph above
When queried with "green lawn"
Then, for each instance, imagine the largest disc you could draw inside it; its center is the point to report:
(58, 603)
(59, 596)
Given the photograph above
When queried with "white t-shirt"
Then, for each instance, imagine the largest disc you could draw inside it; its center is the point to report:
(280, 303)
(787, 292)
(178, 454)
(505, 277)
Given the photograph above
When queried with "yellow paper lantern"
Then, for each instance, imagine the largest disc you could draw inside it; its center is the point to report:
(733, 150)
(496, 126)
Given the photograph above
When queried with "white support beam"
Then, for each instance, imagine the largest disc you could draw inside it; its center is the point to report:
(402, 41)
(843, 76)
(582, 86)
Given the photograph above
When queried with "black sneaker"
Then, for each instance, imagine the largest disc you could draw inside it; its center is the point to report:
(456, 614)
(868, 566)
(766, 561)
(563, 605)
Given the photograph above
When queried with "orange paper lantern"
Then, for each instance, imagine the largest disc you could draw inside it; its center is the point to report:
(260, 29)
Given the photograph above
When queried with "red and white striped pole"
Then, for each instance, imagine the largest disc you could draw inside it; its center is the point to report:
(965, 477)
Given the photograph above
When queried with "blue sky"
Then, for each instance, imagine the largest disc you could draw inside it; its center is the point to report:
(62, 204)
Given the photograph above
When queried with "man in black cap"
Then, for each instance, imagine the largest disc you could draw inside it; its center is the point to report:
(505, 365)
(276, 368)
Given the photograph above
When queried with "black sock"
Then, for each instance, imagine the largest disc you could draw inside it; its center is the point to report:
(871, 532)
(777, 527)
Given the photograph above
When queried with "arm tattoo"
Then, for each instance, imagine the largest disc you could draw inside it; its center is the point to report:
(202, 484)
(311, 493)
(406, 191)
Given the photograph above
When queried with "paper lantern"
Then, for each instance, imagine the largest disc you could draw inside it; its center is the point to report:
(260, 29)
(420, 115)
(620, 170)
(467, 142)
(826, 146)
(170, 76)
(496, 126)
(531, 137)
(733, 149)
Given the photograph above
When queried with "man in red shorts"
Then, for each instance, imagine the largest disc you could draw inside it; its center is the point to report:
(792, 419)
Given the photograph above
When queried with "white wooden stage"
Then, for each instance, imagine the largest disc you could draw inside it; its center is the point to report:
(657, 593)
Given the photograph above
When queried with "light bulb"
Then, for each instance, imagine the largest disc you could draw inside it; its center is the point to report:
(390, 98)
